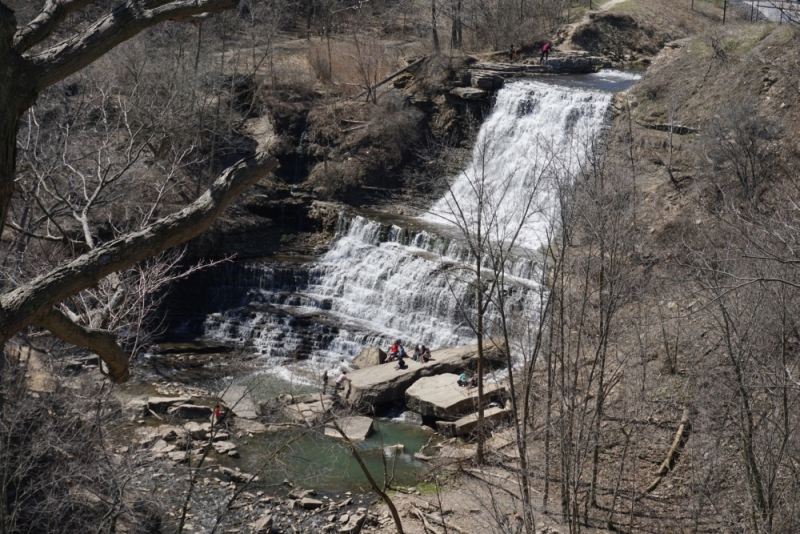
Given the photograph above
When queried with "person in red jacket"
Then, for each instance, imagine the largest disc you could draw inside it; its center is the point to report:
(545, 52)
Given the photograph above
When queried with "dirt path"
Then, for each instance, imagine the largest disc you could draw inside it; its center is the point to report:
(565, 33)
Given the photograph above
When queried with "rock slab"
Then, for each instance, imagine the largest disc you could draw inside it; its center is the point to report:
(239, 400)
(441, 397)
(382, 384)
(467, 424)
(357, 428)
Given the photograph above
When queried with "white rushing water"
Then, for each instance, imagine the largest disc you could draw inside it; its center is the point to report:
(380, 282)
(538, 133)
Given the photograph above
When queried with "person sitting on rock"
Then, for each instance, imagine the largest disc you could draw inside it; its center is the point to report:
(417, 356)
(426, 354)
(394, 350)
(401, 351)
(463, 379)
(401, 364)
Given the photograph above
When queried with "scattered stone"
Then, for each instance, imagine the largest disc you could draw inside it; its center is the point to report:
(249, 426)
(355, 524)
(263, 525)
(356, 428)
(310, 504)
(178, 456)
(237, 476)
(162, 447)
(300, 493)
(344, 519)
(223, 447)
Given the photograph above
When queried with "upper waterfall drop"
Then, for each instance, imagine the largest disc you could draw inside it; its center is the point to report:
(537, 134)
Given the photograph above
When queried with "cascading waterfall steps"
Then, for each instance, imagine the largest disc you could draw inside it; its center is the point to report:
(379, 282)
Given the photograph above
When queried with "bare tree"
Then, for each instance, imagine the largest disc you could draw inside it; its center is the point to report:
(31, 62)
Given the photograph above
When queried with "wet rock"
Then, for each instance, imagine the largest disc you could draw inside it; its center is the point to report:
(369, 357)
(237, 476)
(310, 504)
(298, 493)
(239, 401)
(190, 411)
(223, 447)
(411, 418)
(441, 397)
(356, 428)
(162, 404)
(249, 427)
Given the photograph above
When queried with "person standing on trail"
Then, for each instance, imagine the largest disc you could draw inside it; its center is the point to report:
(545, 52)
(511, 53)
(325, 382)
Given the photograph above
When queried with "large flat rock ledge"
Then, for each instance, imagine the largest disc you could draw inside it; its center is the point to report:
(441, 397)
(382, 384)
(357, 428)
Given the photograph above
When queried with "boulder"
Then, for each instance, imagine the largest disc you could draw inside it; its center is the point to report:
(263, 525)
(162, 404)
(486, 80)
(369, 357)
(249, 427)
(354, 525)
(441, 397)
(197, 430)
(467, 424)
(237, 476)
(239, 401)
(310, 504)
(224, 447)
(382, 384)
(357, 428)
(190, 411)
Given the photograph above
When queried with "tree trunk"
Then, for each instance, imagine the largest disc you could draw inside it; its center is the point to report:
(434, 33)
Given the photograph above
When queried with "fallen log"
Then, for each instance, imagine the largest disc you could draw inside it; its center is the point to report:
(669, 462)
(392, 76)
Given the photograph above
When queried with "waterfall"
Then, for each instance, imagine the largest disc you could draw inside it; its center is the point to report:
(536, 133)
(379, 282)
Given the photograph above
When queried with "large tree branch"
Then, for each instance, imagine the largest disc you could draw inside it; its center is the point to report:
(52, 14)
(101, 342)
(126, 21)
(31, 302)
